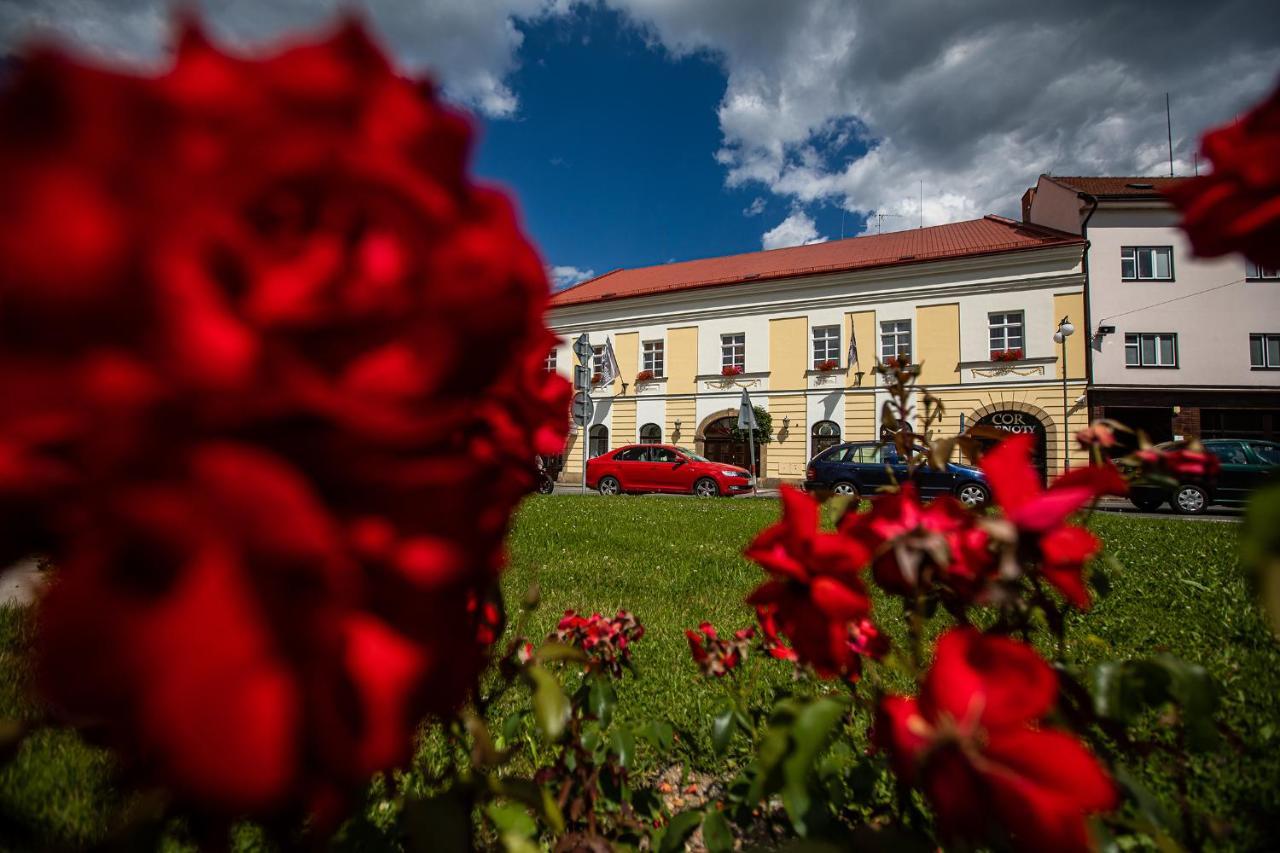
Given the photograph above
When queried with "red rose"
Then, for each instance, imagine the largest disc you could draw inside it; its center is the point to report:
(972, 744)
(1236, 208)
(1179, 462)
(238, 307)
(716, 655)
(1040, 515)
(814, 604)
(607, 642)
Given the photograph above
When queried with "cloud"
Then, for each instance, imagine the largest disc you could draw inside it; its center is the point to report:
(798, 229)
(755, 208)
(469, 46)
(974, 99)
(566, 276)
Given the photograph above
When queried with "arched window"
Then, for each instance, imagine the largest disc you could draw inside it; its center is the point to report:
(650, 434)
(599, 443)
(825, 434)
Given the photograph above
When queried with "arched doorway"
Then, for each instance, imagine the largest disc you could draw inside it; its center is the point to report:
(598, 445)
(719, 444)
(1018, 422)
(650, 434)
(825, 434)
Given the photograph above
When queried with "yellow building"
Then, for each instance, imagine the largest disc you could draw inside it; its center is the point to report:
(975, 304)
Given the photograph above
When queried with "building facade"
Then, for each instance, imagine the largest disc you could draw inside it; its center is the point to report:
(1179, 346)
(950, 298)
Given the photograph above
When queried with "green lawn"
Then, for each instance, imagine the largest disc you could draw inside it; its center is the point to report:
(675, 562)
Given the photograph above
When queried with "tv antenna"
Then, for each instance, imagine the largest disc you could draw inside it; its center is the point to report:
(881, 217)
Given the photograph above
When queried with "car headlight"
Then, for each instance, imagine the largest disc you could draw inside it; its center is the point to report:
(733, 473)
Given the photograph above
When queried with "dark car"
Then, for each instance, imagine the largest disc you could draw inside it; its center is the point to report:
(1245, 465)
(664, 468)
(860, 468)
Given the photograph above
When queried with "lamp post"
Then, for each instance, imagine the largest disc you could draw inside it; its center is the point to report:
(1065, 330)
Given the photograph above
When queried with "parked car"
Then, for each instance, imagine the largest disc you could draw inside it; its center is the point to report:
(1245, 465)
(664, 468)
(861, 468)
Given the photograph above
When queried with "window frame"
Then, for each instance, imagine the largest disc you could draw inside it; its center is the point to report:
(1004, 328)
(733, 350)
(641, 437)
(1137, 267)
(1138, 336)
(1265, 338)
(551, 363)
(594, 433)
(830, 341)
(1257, 272)
(653, 357)
(896, 334)
(598, 359)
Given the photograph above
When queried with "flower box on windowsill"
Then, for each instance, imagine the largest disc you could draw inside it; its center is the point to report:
(730, 371)
(1007, 356)
(833, 371)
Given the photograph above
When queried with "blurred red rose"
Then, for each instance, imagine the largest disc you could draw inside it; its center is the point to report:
(1179, 462)
(1236, 208)
(972, 743)
(812, 607)
(239, 305)
(606, 641)
(716, 655)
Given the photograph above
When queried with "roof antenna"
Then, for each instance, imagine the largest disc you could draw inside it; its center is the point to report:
(881, 217)
(1168, 119)
(922, 202)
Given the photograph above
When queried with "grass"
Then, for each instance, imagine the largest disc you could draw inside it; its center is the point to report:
(675, 562)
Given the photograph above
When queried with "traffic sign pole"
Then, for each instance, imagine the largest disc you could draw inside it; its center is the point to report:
(582, 376)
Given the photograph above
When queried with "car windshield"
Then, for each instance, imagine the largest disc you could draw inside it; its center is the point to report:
(694, 456)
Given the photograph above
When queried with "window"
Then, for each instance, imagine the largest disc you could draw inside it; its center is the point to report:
(1228, 452)
(1257, 272)
(598, 359)
(1006, 331)
(663, 454)
(1146, 263)
(631, 454)
(825, 434)
(895, 339)
(550, 363)
(1264, 352)
(1268, 453)
(650, 434)
(826, 345)
(598, 444)
(1150, 350)
(733, 351)
(654, 358)
(865, 454)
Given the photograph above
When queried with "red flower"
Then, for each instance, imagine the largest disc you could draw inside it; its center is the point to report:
(644, 376)
(917, 546)
(1179, 462)
(242, 412)
(1098, 433)
(1040, 515)
(815, 600)
(716, 655)
(828, 365)
(972, 744)
(607, 642)
(1236, 208)
(730, 370)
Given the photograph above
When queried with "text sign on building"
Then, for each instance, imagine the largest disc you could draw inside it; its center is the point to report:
(1016, 422)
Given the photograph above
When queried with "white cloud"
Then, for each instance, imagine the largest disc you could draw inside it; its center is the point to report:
(470, 46)
(974, 99)
(755, 208)
(798, 229)
(567, 276)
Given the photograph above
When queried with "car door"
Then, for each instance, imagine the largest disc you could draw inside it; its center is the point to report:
(929, 481)
(1266, 455)
(629, 468)
(668, 471)
(1236, 475)
(829, 464)
(870, 463)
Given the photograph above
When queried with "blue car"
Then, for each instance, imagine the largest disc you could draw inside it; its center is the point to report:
(861, 468)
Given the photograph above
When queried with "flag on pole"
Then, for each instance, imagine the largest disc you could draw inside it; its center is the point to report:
(853, 346)
(746, 414)
(610, 369)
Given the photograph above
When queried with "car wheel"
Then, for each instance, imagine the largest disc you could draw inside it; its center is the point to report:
(546, 485)
(845, 489)
(1147, 504)
(610, 486)
(1189, 500)
(973, 495)
(706, 488)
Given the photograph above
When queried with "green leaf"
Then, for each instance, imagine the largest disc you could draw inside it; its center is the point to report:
(511, 818)
(716, 833)
(678, 831)
(722, 730)
(623, 744)
(552, 651)
(809, 734)
(1123, 688)
(660, 735)
(601, 700)
(1197, 696)
(551, 707)
(1260, 549)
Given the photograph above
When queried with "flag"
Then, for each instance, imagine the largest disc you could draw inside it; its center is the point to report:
(853, 346)
(611, 369)
(746, 414)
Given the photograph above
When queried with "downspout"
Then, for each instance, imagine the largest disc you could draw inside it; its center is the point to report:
(1088, 318)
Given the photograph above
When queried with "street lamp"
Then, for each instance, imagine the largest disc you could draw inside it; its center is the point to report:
(1065, 330)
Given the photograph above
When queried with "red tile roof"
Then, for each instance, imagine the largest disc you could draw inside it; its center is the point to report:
(989, 235)
(1118, 187)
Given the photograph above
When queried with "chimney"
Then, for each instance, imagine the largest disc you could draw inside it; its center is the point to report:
(1027, 198)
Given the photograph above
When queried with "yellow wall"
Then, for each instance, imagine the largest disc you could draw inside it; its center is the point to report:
(859, 417)
(682, 362)
(789, 354)
(862, 324)
(1071, 305)
(788, 452)
(627, 348)
(624, 423)
(1043, 400)
(937, 344)
(682, 410)
(572, 459)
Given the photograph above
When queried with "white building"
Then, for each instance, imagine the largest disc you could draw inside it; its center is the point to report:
(1180, 346)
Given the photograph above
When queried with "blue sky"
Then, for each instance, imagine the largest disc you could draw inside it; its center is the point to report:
(612, 151)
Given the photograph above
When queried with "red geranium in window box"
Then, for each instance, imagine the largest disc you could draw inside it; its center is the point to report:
(731, 370)
(644, 376)
(1007, 354)
(828, 365)
(898, 362)
(597, 378)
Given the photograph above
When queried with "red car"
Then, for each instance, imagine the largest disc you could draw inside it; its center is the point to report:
(664, 468)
